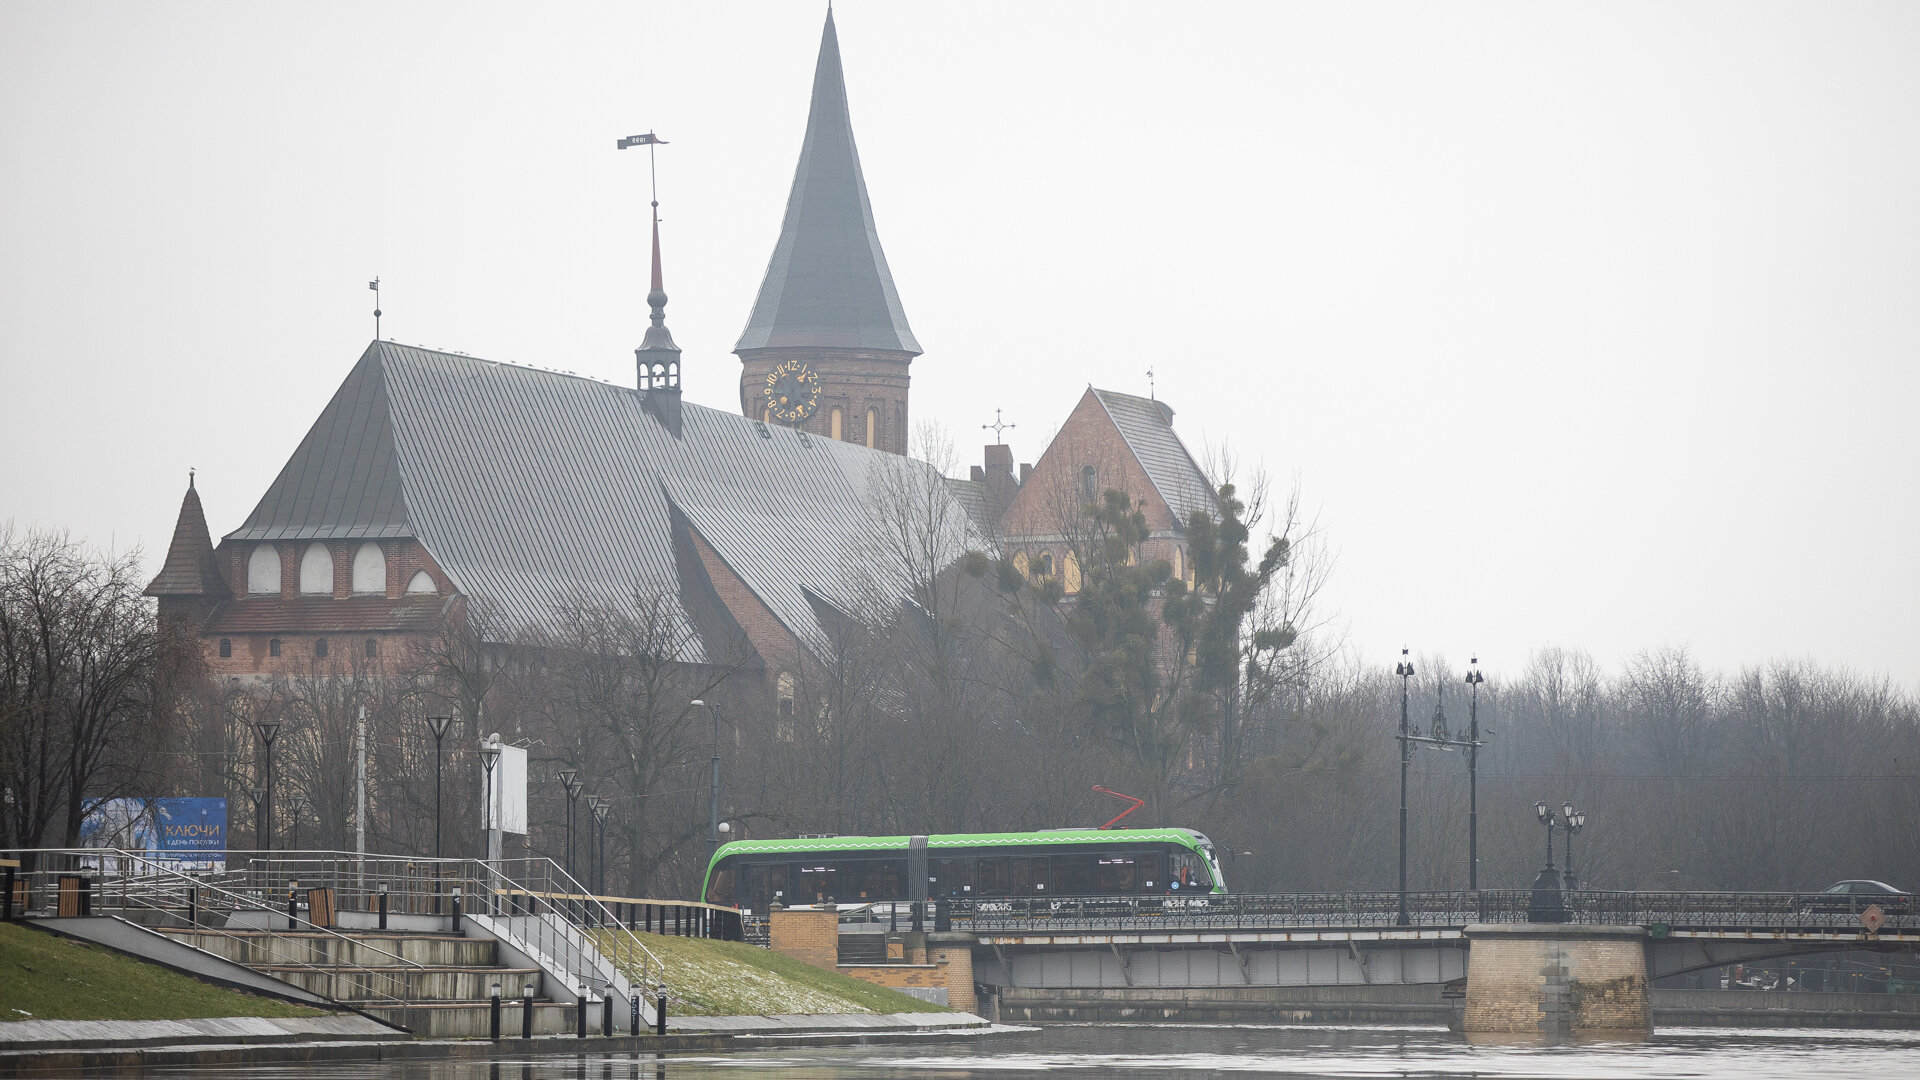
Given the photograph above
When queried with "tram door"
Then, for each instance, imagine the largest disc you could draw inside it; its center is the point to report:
(1027, 875)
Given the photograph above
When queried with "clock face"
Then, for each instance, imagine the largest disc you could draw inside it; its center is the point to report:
(792, 391)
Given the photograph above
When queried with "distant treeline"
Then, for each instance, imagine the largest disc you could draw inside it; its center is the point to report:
(987, 700)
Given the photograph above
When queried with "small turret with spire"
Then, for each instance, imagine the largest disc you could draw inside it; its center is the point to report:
(657, 360)
(189, 583)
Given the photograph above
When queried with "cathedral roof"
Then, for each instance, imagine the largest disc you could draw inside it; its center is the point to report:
(533, 489)
(189, 569)
(1147, 427)
(828, 284)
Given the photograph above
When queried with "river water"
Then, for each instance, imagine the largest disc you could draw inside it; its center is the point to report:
(1195, 1051)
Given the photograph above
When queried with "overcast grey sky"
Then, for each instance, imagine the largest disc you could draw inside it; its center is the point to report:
(1591, 325)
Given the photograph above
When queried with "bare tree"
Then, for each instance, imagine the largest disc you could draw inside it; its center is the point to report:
(79, 652)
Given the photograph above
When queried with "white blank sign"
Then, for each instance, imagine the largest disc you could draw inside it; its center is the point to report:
(507, 802)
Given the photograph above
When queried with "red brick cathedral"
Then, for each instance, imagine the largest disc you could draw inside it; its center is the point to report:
(437, 485)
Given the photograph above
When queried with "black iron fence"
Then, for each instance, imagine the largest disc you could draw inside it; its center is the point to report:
(1661, 911)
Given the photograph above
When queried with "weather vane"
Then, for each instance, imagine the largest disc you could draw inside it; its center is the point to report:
(997, 427)
(1150, 395)
(375, 286)
(649, 140)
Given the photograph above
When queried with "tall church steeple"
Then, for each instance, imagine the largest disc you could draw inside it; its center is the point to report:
(828, 302)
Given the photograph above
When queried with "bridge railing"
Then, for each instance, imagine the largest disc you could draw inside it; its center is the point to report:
(1243, 910)
(1769, 911)
(1740, 910)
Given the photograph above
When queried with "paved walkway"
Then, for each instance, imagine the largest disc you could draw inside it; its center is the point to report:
(70, 1046)
(87, 1034)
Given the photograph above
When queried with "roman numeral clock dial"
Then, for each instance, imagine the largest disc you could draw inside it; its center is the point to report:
(792, 391)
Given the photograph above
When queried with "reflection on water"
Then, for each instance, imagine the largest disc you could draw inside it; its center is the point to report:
(1197, 1051)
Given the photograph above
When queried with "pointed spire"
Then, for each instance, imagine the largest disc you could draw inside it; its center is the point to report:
(189, 569)
(658, 337)
(828, 284)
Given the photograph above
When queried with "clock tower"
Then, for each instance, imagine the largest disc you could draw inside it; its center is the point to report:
(827, 347)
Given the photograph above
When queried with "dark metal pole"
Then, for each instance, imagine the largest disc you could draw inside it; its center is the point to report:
(1405, 671)
(713, 799)
(436, 796)
(268, 801)
(1474, 679)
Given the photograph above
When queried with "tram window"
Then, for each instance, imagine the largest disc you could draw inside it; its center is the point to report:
(1073, 874)
(990, 875)
(1026, 876)
(1116, 875)
(952, 877)
(1189, 870)
(813, 884)
(872, 879)
(720, 891)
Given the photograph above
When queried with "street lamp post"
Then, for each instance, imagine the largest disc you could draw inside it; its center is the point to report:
(489, 756)
(268, 729)
(259, 797)
(1404, 669)
(601, 812)
(1548, 817)
(593, 815)
(438, 725)
(713, 797)
(570, 780)
(1572, 823)
(296, 806)
(1474, 679)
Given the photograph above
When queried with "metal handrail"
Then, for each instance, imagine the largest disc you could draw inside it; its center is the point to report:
(159, 869)
(501, 887)
(486, 889)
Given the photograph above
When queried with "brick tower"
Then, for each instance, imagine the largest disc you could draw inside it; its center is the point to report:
(827, 346)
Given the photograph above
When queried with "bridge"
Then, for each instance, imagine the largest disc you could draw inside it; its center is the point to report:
(1214, 949)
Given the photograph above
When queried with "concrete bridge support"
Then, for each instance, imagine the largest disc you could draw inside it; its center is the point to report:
(1557, 979)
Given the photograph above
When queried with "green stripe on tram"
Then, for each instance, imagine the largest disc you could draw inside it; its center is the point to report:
(1049, 838)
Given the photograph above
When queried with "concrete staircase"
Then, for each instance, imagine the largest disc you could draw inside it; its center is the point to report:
(436, 985)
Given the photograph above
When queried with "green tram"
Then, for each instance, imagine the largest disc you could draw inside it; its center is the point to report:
(750, 874)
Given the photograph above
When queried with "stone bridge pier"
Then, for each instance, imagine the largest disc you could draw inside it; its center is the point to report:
(1556, 979)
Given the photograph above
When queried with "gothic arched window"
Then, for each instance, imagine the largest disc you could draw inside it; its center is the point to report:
(837, 423)
(263, 570)
(1089, 484)
(316, 570)
(422, 582)
(873, 426)
(1070, 573)
(783, 693)
(369, 569)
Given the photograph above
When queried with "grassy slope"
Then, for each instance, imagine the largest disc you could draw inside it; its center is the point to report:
(44, 977)
(730, 978)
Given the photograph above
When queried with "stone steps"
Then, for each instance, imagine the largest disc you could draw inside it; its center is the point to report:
(465, 1020)
(360, 985)
(261, 948)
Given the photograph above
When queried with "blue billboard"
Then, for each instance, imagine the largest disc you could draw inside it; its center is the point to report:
(191, 830)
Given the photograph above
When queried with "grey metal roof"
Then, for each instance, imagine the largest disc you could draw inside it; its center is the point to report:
(1147, 426)
(828, 283)
(533, 489)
